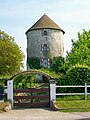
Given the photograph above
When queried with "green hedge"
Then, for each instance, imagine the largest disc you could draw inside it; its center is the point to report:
(77, 75)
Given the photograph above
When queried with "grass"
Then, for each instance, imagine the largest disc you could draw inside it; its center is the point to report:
(70, 104)
(76, 110)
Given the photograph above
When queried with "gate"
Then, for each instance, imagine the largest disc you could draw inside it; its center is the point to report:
(35, 94)
(31, 97)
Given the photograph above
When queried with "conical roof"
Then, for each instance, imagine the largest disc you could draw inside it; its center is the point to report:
(43, 23)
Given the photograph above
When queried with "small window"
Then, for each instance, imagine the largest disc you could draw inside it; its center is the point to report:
(44, 47)
(45, 62)
(44, 32)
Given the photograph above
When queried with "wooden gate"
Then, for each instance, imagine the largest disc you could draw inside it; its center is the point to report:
(31, 97)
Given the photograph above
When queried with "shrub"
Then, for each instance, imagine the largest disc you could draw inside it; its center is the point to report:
(34, 62)
(57, 64)
(77, 75)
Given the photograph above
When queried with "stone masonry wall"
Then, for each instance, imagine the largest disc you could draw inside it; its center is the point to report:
(54, 39)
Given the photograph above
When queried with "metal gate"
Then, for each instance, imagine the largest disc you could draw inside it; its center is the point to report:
(31, 97)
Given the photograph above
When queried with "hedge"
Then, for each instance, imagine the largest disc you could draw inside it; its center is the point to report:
(76, 75)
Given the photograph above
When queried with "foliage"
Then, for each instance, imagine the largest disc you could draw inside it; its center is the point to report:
(80, 52)
(34, 62)
(22, 80)
(29, 78)
(50, 73)
(2, 81)
(10, 55)
(57, 63)
(77, 75)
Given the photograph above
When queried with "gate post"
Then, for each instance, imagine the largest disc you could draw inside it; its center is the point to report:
(52, 91)
(10, 91)
(85, 91)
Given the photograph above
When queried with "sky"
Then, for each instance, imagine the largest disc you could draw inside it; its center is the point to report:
(17, 16)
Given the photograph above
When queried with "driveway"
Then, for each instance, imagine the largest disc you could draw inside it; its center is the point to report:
(42, 114)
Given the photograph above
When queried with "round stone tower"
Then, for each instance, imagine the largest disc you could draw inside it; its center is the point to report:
(45, 40)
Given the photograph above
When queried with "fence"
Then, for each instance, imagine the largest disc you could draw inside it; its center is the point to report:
(75, 86)
(1, 94)
(53, 88)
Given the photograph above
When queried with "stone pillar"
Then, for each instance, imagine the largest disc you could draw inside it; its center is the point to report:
(10, 91)
(52, 90)
(52, 94)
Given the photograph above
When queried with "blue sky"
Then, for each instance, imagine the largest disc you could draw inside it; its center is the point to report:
(16, 16)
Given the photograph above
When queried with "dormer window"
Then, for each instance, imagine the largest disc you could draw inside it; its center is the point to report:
(44, 47)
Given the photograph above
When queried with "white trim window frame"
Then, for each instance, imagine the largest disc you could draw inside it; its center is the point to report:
(44, 47)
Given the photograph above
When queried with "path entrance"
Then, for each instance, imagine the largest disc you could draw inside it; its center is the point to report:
(33, 90)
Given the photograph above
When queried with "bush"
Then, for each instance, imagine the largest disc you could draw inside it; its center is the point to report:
(57, 64)
(77, 75)
(34, 62)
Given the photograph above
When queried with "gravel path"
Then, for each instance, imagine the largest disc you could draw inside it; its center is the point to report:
(42, 114)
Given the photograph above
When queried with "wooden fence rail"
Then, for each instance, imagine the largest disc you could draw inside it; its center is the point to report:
(75, 86)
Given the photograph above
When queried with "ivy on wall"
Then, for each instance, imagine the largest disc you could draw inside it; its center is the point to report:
(34, 62)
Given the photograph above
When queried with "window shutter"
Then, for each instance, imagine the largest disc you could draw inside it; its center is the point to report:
(48, 62)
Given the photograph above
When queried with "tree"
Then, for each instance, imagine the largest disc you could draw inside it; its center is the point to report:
(10, 55)
(80, 52)
(56, 64)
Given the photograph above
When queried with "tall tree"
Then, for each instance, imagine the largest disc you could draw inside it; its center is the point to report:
(80, 52)
(10, 55)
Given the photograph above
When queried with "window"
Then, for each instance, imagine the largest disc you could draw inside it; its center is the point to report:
(45, 62)
(44, 32)
(44, 47)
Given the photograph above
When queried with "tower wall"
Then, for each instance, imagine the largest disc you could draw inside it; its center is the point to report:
(53, 38)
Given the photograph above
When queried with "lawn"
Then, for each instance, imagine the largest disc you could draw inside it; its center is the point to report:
(73, 105)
